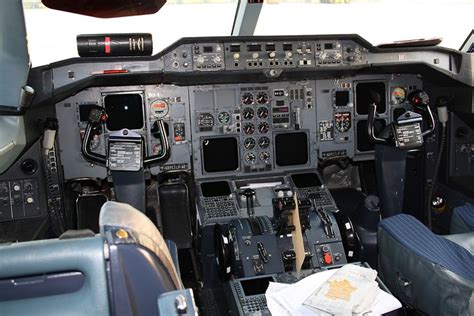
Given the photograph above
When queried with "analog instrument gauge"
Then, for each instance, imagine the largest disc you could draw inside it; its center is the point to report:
(399, 95)
(249, 143)
(249, 128)
(247, 98)
(250, 158)
(342, 121)
(223, 117)
(159, 108)
(205, 120)
(264, 142)
(262, 97)
(262, 112)
(248, 113)
(264, 156)
(263, 127)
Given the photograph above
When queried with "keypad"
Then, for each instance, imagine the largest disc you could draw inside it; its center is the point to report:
(219, 206)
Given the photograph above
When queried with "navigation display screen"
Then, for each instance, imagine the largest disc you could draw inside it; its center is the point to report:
(220, 154)
(291, 149)
(124, 111)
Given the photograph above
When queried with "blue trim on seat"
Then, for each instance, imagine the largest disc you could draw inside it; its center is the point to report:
(466, 214)
(415, 236)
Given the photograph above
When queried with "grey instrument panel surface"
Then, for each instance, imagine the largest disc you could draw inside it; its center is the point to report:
(310, 108)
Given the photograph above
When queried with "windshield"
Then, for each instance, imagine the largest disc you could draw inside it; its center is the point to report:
(52, 34)
(378, 21)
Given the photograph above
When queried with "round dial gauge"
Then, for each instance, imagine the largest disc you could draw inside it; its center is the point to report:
(262, 112)
(249, 128)
(264, 156)
(159, 108)
(248, 113)
(250, 158)
(247, 98)
(399, 95)
(263, 127)
(224, 117)
(249, 143)
(262, 97)
(263, 142)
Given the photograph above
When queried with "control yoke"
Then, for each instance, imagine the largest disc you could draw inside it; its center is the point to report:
(96, 117)
(407, 123)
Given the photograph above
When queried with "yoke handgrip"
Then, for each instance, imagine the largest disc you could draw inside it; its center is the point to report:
(370, 125)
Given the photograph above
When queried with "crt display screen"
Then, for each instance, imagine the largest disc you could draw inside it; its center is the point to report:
(342, 98)
(255, 286)
(124, 111)
(220, 154)
(306, 180)
(291, 149)
(217, 188)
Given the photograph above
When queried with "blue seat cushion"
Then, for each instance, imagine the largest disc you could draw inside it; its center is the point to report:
(463, 219)
(416, 237)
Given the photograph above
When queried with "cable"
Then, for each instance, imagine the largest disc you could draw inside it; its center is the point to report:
(435, 175)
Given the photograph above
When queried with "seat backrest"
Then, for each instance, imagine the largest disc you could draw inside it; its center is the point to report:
(140, 265)
(54, 277)
(462, 220)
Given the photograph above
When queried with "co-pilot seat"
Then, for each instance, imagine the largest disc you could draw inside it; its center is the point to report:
(432, 273)
(122, 271)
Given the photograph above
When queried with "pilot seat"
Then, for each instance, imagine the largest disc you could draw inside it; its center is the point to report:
(127, 269)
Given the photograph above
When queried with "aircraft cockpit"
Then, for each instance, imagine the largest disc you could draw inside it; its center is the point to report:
(241, 174)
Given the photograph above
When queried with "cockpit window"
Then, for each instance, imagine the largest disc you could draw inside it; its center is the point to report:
(378, 21)
(52, 34)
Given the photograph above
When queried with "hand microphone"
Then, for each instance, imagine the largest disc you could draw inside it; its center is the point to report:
(442, 108)
(49, 134)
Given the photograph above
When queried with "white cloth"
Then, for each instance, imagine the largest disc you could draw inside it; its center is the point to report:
(289, 299)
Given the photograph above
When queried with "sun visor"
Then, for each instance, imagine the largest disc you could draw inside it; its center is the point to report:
(106, 8)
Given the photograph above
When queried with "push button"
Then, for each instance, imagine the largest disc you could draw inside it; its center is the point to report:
(327, 258)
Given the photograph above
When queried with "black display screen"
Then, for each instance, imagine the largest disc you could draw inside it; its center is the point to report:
(342, 98)
(220, 154)
(291, 149)
(306, 180)
(124, 111)
(255, 286)
(217, 188)
(368, 93)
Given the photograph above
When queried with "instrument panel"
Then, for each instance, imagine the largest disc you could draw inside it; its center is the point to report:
(257, 54)
(233, 130)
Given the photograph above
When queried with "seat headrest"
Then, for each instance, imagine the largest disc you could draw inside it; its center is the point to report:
(114, 215)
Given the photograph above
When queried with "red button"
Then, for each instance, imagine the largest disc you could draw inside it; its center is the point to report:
(327, 258)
